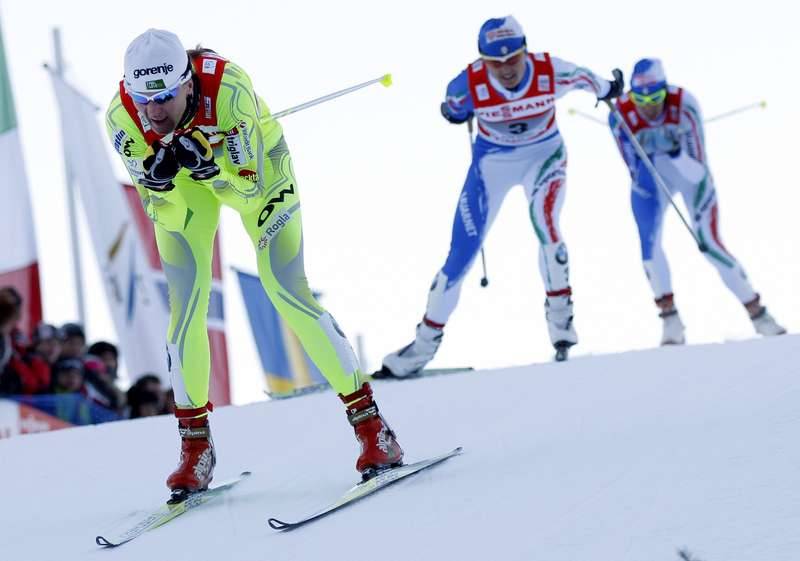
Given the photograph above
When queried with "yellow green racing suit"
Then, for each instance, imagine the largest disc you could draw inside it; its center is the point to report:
(257, 180)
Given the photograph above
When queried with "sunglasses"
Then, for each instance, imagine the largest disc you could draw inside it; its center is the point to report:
(163, 96)
(654, 98)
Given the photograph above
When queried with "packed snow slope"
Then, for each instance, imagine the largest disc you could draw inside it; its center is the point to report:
(607, 458)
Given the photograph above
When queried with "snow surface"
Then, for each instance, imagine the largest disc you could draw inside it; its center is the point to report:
(605, 458)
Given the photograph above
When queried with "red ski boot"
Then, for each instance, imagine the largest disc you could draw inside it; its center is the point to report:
(379, 447)
(196, 467)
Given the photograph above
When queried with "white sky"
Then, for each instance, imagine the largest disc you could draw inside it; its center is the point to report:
(380, 170)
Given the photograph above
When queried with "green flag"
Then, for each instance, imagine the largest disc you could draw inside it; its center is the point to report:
(18, 262)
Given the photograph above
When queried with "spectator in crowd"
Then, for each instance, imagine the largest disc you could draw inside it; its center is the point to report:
(20, 372)
(144, 404)
(11, 300)
(9, 315)
(71, 392)
(109, 354)
(46, 342)
(146, 397)
(73, 342)
(150, 382)
(68, 376)
(97, 384)
(100, 385)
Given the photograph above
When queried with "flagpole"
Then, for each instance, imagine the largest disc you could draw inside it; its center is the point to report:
(71, 207)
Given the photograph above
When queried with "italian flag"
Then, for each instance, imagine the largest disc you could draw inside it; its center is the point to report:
(18, 263)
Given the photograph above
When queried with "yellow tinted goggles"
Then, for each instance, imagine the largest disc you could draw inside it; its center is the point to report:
(654, 98)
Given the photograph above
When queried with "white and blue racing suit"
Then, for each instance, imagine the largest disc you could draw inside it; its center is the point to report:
(675, 143)
(518, 143)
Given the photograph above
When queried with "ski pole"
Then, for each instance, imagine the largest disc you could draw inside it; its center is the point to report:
(762, 104)
(719, 117)
(652, 169)
(485, 278)
(573, 111)
(385, 81)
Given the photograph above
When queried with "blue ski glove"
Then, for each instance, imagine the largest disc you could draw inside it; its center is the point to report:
(451, 118)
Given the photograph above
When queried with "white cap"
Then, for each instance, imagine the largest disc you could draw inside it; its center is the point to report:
(154, 61)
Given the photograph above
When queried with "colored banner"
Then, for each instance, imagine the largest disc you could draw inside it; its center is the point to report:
(20, 418)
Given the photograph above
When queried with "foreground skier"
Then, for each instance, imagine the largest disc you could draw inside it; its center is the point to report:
(194, 136)
(667, 123)
(512, 93)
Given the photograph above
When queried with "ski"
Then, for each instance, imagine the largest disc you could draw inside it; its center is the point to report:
(365, 488)
(166, 513)
(385, 374)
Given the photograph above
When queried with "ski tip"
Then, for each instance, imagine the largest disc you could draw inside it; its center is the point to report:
(102, 542)
(386, 80)
(276, 524)
(246, 474)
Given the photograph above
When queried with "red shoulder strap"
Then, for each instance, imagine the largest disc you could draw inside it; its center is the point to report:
(209, 68)
(673, 106)
(478, 75)
(543, 73)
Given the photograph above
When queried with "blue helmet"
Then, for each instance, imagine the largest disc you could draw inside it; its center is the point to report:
(648, 76)
(501, 38)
